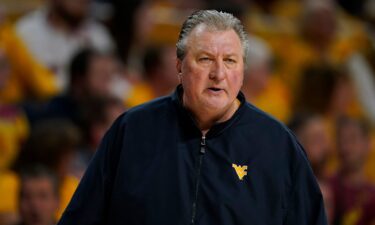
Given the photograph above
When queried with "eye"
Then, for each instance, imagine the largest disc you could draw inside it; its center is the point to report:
(230, 60)
(204, 59)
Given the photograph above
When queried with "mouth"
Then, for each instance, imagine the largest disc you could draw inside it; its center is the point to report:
(214, 89)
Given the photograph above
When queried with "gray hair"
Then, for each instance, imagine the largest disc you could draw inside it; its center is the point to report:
(213, 20)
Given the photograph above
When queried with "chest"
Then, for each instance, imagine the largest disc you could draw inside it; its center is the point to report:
(226, 181)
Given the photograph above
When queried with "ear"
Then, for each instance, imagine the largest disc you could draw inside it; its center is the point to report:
(179, 69)
(179, 66)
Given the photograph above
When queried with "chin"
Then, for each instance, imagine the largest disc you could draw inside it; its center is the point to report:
(217, 105)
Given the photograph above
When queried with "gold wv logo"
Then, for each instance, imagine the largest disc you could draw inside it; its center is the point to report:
(240, 170)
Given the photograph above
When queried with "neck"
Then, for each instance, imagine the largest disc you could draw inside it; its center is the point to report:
(206, 119)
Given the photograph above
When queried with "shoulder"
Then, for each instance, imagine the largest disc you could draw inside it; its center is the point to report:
(99, 35)
(96, 27)
(142, 121)
(273, 135)
(30, 21)
(264, 122)
(152, 111)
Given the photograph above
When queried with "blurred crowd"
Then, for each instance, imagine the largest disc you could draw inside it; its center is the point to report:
(69, 68)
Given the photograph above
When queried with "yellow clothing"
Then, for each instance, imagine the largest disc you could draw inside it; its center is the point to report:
(9, 187)
(9, 191)
(67, 189)
(370, 163)
(276, 24)
(27, 76)
(139, 94)
(14, 130)
(280, 29)
(296, 54)
(275, 100)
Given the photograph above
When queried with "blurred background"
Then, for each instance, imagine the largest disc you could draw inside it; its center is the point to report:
(69, 68)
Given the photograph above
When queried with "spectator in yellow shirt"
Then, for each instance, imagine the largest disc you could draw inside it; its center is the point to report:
(53, 144)
(27, 78)
(261, 87)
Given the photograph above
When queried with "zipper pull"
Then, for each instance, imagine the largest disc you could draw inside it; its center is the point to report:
(203, 145)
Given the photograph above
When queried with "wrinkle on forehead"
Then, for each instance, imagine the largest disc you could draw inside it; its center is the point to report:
(198, 40)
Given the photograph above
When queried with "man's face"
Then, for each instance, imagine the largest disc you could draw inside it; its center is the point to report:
(353, 147)
(38, 201)
(212, 69)
(101, 73)
(73, 11)
(314, 138)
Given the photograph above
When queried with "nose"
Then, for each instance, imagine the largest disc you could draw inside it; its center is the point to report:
(218, 71)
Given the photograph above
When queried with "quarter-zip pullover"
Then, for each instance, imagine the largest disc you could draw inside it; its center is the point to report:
(154, 167)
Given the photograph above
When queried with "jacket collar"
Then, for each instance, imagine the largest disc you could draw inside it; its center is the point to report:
(188, 122)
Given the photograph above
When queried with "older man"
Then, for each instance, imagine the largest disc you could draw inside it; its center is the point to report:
(202, 155)
(39, 196)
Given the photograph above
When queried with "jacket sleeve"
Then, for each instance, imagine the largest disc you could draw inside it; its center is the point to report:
(305, 206)
(89, 203)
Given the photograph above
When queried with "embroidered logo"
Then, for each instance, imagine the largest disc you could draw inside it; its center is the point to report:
(240, 170)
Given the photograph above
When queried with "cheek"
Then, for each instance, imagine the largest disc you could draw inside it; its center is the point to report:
(236, 80)
(193, 78)
(190, 85)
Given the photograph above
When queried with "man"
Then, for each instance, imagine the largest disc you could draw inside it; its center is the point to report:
(22, 77)
(202, 155)
(312, 132)
(92, 75)
(39, 196)
(159, 76)
(354, 195)
(55, 32)
(53, 143)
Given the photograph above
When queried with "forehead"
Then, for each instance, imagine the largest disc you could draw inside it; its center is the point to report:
(37, 184)
(203, 38)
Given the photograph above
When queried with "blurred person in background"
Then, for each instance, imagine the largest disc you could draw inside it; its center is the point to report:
(137, 24)
(52, 144)
(261, 86)
(362, 65)
(14, 127)
(13, 124)
(159, 76)
(56, 31)
(140, 23)
(312, 132)
(316, 32)
(38, 196)
(327, 91)
(23, 78)
(92, 75)
(362, 70)
(322, 36)
(98, 116)
(354, 195)
(126, 25)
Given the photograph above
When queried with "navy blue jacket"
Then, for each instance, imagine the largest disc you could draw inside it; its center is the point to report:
(153, 167)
